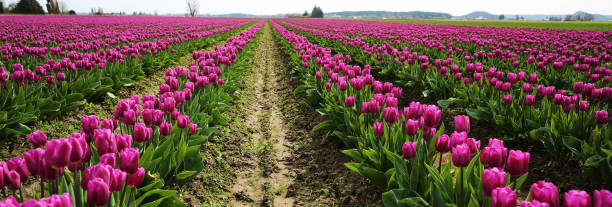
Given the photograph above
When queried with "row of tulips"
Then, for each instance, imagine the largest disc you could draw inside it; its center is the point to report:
(555, 51)
(37, 36)
(57, 87)
(107, 159)
(567, 123)
(402, 150)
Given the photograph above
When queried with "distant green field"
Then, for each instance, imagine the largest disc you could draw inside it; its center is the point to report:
(597, 26)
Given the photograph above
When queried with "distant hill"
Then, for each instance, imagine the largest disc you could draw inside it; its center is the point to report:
(388, 15)
(421, 15)
(478, 15)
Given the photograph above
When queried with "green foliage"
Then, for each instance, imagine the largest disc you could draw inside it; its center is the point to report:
(28, 7)
(317, 12)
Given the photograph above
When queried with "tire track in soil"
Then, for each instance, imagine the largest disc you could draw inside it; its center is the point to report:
(266, 182)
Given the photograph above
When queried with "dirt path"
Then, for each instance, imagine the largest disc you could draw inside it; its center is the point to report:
(265, 183)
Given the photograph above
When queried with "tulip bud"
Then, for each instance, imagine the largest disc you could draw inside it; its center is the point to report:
(193, 128)
(349, 101)
(443, 143)
(461, 155)
(458, 138)
(545, 192)
(118, 178)
(90, 123)
(135, 179)
(530, 100)
(147, 116)
(129, 160)
(129, 117)
(32, 159)
(507, 98)
(98, 192)
(518, 162)
(182, 121)
(105, 141)
(165, 129)
(379, 129)
(123, 141)
(473, 144)
(503, 197)
(493, 178)
(78, 147)
(602, 198)
(432, 116)
(462, 123)
(14, 180)
(20, 166)
(409, 150)
(584, 105)
(141, 133)
(412, 127)
(38, 138)
(57, 153)
(391, 114)
(601, 117)
(109, 124)
(108, 159)
(576, 198)
(494, 156)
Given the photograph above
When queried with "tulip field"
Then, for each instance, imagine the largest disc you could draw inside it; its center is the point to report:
(429, 115)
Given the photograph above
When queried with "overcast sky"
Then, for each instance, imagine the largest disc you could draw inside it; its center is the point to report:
(263, 7)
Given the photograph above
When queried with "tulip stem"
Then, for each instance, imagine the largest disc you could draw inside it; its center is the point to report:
(461, 188)
(122, 195)
(21, 195)
(42, 188)
(56, 183)
(440, 163)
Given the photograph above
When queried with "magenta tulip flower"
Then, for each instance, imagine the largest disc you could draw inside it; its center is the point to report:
(57, 153)
(545, 192)
(141, 133)
(461, 155)
(503, 197)
(105, 141)
(379, 129)
(123, 141)
(412, 127)
(409, 150)
(90, 123)
(462, 123)
(129, 159)
(518, 162)
(98, 192)
(601, 117)
(135, 179)
(576, 198)
(20, 166)
(38, 138)
(118, 178)
(443, 143)
(494, 156)
(349, 101)
(165, 129)
(432, 116)
(182, 121)
(108, 159)
(193, 128)
(534, 203)
(602, 198)
(493, 178)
